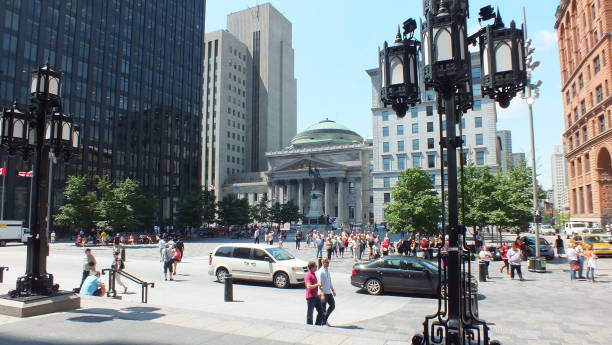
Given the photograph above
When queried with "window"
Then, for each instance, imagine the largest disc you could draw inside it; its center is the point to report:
(259, 255)
(599, 92)
(475, 72)
(430, 127)
(430, 95)
(477, 91)
(463, 123)
(386, 182)
(573, 169)
(479, 139)
(242, 253)
(583, 107)
(386, 146)
(576, 116)
(416, 161)
(401, 162)
(580, 82)
(415, 128)
(385, 116)
(400, 146)
(574, 89)
(477, 105)
(224, 252)
(480, 158)
(400, 129)
(431, 161)
(478, 122)
(387, 197)
(386, 164)
(351, 212)
(587, 163)
(414, 113)
(464, 140)
(430, 143)
(567, 97)
(585, 134)
(415, 144)
(429, 110)
(602, 124)
(596, 65)
(385, 131)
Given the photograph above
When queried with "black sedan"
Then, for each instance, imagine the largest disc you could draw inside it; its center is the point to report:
(396, 273)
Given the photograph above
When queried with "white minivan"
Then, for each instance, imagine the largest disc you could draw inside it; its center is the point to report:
(575, 228)
(257, 262)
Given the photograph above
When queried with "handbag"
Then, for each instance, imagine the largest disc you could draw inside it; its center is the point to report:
(575, 267)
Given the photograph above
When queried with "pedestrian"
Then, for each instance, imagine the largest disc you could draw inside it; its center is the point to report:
(425, 247)
(327, 292)
(178, 256)
(580, 254)
(514, 258)
(271, 237)
(486, 257)
(180, 246)
(308, 239)
(591, 263)
(503, 251)
(167, 258)
(281, 239)
(313, 301)
(329, 247)
(319, 242)
(162, 246)
(93, 285)
(341, 246)
(559, 245)
(89, 265)
(385, 246)
(118, 266)
(256, 236)
(53, 236)
(298, 239)
(572, 259)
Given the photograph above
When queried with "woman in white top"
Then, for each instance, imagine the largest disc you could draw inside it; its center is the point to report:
(486, 257)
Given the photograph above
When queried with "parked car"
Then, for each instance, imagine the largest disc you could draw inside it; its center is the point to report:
(547, 229)
(546, 250)
(396, 273)
(257, 262)
(601, 246)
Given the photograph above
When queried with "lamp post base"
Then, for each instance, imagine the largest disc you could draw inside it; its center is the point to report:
(34, 285)
(38, 305)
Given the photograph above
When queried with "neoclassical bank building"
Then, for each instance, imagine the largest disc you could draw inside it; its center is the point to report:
(326, 171)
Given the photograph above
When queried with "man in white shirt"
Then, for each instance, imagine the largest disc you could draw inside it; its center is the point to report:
(514, 258)
(327, 290)
(572, 258)
(486, 257)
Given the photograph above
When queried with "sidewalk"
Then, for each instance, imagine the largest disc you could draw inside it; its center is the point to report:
(109, 322)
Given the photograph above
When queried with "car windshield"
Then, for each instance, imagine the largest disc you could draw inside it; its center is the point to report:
(280, 254)
(593, 239)
(597, 231)
(531, 240)
(429, 264)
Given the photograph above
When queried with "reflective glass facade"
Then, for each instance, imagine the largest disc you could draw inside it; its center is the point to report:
(132, 79)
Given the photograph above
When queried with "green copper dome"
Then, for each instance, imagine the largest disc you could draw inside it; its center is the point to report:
(326, 132)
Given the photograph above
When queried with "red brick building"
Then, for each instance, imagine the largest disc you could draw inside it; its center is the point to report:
(584, 31)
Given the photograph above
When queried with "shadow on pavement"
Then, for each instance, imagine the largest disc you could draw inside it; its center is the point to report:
(105, 314)
(20, 341)
(346, 326)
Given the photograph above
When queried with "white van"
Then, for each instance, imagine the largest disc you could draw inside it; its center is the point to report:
(575, 228)
(257, 262)
(13, 231)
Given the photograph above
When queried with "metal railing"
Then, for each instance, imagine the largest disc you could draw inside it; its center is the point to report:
(111, 283)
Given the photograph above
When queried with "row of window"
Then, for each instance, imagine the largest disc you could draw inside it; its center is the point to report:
(578, 198)
(577, 168)
(431, 161)
(599, 97)
(430, 143)
(399, 129)
(582, 135)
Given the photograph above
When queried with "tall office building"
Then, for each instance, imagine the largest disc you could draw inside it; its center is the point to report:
(132, 79)
(273, 110)
(227, 120)
(559, 179)
(412, 141)
(584, 31)
(504, 149)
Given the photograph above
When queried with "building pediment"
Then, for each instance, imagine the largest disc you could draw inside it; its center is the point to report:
(303, 164)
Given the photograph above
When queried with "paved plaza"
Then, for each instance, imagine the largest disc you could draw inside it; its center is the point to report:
(546, 309)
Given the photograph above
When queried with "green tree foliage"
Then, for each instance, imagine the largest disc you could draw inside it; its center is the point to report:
(276, 213)
(479, 185)
(117, 205)
(260, 212)
(234, 211)
(290, 212)
(416, 205)
(196, 207)
(513, 195)
(79, 209)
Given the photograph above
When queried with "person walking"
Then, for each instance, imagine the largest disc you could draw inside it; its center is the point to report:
(581, 259)
(298, 239)
(572, 259)
(89, 265)
(559, 245)
(271, 237)
(162, 245)
(591, 263)
(514, 258)
(486, 257)
(327, 291)
(329, 247)
(118, 266)
(256, 236)
(313, 301)
(167, 257)
(318, 242)
(503, 251)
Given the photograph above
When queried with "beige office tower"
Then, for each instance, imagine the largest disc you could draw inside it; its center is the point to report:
(272, 113)
(225, 103)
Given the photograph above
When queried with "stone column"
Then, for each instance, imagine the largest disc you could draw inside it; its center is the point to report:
(359, 202)
(271, 191)
(281, 193)
(289, 191)
(301, 195)
(329, 208)
(341, 201)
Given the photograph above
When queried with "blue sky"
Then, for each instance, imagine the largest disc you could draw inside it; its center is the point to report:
(336, 41)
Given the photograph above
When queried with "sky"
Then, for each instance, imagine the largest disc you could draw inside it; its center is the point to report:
(336, 41)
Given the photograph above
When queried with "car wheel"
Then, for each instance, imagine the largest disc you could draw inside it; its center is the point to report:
(2, 243)
(281, 280)
(373, 286)
(221, 272)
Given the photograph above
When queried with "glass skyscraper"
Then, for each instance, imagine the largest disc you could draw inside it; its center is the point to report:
(132, 79)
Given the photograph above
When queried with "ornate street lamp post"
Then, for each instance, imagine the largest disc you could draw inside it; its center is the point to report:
(43, 130)
(447, 70)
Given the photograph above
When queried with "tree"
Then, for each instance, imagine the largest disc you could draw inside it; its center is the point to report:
(478, 187)
(234, 211)
(513, 197)
(79, 209)
(260, 212)
(196, 206)
(416, 205)
(290, 212)
(276, 213)
(118, 206)
(145, 209)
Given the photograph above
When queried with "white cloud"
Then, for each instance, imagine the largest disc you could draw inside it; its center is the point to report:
(545, 40)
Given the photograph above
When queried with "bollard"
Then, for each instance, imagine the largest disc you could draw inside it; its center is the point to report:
(229, 288)
(482, 271)
(2, 273)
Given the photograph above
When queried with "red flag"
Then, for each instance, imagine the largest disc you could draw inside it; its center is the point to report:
(25, 173)
(2, 171)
